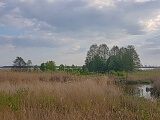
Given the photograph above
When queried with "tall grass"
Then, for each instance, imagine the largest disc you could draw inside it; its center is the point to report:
(144, 75)
(60, 96)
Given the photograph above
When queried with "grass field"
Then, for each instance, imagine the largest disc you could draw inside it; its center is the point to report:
(140, 75)
(60, 96)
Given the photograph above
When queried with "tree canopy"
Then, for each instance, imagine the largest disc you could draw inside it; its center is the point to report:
(19, 63)
(49, 65)
(101, 59)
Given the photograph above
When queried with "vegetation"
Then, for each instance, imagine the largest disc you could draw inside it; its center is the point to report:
(100, 59)
(79, 93)
(50, 65)
(141, 75)
(20, 65)
(60, 96)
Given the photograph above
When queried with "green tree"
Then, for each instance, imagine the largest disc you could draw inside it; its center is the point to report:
(43, 67)
(114, 51)
(113, 63)
(50, 65)
(129, 58)
(84, 70)
(96, 65)
(61, 67)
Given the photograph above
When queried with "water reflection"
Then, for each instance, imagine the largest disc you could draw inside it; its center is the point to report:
(140, 91)
(144, 91)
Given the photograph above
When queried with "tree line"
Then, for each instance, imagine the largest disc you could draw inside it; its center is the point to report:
(99, 59)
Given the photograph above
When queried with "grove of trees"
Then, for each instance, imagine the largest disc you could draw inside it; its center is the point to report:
(101, 59)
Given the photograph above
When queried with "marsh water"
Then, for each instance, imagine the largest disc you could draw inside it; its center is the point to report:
(140, 91)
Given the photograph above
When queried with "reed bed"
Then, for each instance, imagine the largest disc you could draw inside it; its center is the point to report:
(144, 75)
(60, 96)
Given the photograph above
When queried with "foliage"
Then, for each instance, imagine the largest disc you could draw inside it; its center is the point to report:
(49, 65)
(61, 67)
(100, 59)
(43, 67)
(19, 63)
(102, 51)
(118, 73)
(113, 63)
(96, 65)
(84, 70)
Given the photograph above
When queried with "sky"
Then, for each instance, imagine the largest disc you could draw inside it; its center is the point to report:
(63, 30)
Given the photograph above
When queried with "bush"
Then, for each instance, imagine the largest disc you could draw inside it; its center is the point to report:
(49, 66)
(118, 73)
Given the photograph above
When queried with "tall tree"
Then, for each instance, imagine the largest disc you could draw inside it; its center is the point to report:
(99, 58)
(96, 65)
(129, 58)
(114, 51)
(103, 51)
(19, 63)
(91, 53)
(113, 63)
(135, 56)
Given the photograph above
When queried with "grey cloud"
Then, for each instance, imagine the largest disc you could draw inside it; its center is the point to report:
(75, 19)
(31, 41)
(78, 16)
(152, 45)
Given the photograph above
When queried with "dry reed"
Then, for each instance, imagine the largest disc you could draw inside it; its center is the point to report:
(57, 96)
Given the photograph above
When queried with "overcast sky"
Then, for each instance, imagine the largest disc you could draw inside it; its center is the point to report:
(63, 30)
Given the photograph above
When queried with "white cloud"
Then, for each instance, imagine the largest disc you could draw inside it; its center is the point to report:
(141, 1)
(102, 3)
(152, 24)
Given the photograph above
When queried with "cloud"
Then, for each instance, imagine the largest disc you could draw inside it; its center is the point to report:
(144, 0)
(31, 41)
(152, 24)
(151, 45)
(80, 15)
(71, 26)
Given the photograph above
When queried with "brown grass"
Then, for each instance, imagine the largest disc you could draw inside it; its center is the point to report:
(57, 96)
(150, 75)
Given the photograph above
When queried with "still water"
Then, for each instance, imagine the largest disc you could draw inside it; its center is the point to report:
(145, 92)
(140, 91)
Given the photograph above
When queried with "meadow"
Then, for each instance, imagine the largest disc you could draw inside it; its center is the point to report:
(62, 96)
